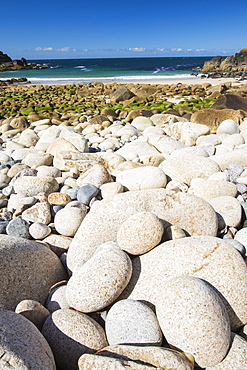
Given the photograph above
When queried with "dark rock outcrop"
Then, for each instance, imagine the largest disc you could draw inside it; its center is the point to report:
(230, 101)
(234, 63)
(4, 58)
(7, 64)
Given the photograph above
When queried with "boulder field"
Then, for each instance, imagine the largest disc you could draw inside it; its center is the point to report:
(123, 232)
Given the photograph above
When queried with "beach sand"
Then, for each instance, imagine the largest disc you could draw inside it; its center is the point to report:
(187, 81)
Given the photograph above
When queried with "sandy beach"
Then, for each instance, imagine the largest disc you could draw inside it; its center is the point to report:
(192, 80)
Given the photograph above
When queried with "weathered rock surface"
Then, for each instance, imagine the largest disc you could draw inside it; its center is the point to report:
(24, 264)
(102, 223)
(205, 257)
(236, 62)
(187, 309)
(104, 275)
(132, 322)
(22, 346)
(148, 177)
(236, 357)
(159, 357)
(230, 101)
(71, 334)
(140, 233)
(189, 168)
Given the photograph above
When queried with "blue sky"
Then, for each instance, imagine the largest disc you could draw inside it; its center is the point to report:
(110, 28)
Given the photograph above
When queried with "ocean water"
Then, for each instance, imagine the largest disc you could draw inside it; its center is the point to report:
(109, 69)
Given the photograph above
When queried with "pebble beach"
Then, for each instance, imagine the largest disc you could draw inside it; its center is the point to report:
(123, 225)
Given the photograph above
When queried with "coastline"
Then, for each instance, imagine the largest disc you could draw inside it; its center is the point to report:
(161, 81)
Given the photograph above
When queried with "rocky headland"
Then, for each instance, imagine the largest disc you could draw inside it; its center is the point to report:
(231, 66)
(123, 227)
(7, 64)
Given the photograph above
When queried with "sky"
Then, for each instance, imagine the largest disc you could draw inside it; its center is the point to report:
(130, 28)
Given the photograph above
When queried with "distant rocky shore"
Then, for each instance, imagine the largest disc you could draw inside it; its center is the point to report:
(234, 66)
(7, 64)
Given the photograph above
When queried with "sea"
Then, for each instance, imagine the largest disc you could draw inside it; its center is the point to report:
(105, 70)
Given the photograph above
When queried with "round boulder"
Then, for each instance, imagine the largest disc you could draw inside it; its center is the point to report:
(132, 322)
(205, 257)
(22, 346)
(33, 311)
(68, 220)
(194, 319)
(32, 185)
(28, 270)
(98, 282)
(140, 233)
(148, 177)
(70, 334)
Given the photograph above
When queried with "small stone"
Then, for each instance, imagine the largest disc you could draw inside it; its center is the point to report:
(142, 123)
(109, 189)
(48, 171)
(229, 209)
(97, 175)
(107, 145)
(59, 199)
(28, 138)
(45, 121)
(234, 171)
(18, 227)
(140, 233)
(105, 276)
(56, 299)
(236, 244)
(3, 226)
(32, 185)
(27, 201)
(132, 322)
(208, 189)
(86, 192)
(4, 158)
(35, 160)
(241, 236)
(72, 193)
(58, 243)
(70, 334)
(33, 311)
(149, 177)
(39, 230)
(228, 126)
(194, 319)
(40, 212)
(68, 220)
(89, 362)
(3, 203)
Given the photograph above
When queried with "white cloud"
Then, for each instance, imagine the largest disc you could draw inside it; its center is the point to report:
(177, 49)
(137, 49)
(49, 48)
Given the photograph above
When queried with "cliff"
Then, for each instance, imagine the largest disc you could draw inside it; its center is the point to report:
(234, 63)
